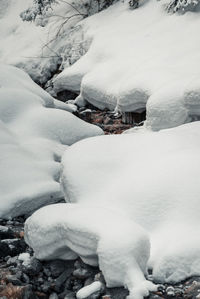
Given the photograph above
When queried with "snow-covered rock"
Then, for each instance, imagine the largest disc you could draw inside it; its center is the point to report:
(121, 187)
(153, 177)
(142, 58)
(120, 246)
(33, 136)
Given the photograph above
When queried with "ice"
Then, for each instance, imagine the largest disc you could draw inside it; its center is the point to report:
(33, 135)
(140, 59)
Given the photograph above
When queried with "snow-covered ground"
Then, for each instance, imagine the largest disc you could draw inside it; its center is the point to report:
(142, 58)
(34, 132)
(121, 186)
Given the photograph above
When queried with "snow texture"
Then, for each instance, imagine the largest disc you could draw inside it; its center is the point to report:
(131, 198)
(120, 246)
(142, 58)
(33, 136)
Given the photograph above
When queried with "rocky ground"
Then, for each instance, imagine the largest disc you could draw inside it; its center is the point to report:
(23, 276)
(109, 122)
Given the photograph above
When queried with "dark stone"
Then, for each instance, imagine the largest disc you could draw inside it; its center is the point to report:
(57, 267)
(11, 247)
(4, 249)
(66, 95)
(28, 293)
(14, 280)
(81, 273)
(67, 294)
(6, 233)
(33, 268)
(61, 280)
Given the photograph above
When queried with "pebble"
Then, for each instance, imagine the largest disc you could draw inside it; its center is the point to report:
(53, 296)
(170, 291)
(81, 273)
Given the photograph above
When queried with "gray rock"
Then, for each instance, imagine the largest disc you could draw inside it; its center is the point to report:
(12, 260)
(170, 291)
(14, 280)
(33, 268)
(81, 273)
(62, 279)
(53, 296)
(6, 233)
(28, 293)
(57, 267)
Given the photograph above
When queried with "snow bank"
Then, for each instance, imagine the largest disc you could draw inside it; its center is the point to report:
(124, 191)
(137, 58)
(33, 136)
(120, 246)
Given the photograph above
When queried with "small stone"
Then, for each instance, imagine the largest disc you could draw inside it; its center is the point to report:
(81, 273)
(33, 268)
(25, 278)
(14, 280)
(28, 293)
(6, 233)
(12, 260)
(170, 291)
(61, 280)
(99, 277)
(53, 296)
(92, 291)
(47, 272)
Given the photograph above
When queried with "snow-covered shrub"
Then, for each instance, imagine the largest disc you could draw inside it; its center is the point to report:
(41, 8)
(183, 5)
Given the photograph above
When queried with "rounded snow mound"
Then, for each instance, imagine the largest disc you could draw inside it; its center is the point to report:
(33, 136)
(140, 59)
(132, 202)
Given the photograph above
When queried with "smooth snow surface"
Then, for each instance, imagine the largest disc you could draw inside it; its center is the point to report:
(121, 187)
(142, 58)
(33, 136)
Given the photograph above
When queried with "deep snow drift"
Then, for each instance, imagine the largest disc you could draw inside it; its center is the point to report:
(33, 136)
(142, 58)
(121, 186)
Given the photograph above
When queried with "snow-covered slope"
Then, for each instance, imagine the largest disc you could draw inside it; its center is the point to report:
(33, 136)
(23, 43)
(145, 180)
(138, 58)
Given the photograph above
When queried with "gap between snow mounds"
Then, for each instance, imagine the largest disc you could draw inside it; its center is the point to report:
(139, 57)
(35, 131)
(116, 243)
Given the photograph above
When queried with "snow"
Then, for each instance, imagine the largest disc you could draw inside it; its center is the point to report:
(120, 246)
(132, 201)
(142, 58)
(33, 136)
(85, 292)
(25, 258)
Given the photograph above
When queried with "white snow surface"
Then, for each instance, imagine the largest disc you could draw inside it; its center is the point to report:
(33, 136)
(132, 201)
(142, 58)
